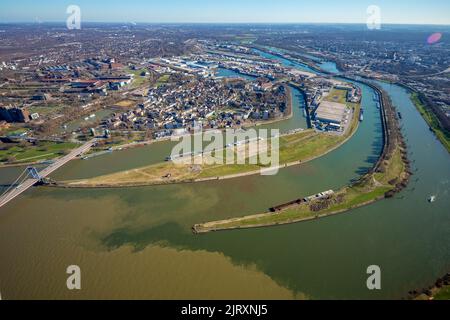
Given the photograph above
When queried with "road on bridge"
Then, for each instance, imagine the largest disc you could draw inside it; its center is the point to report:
(45, 173)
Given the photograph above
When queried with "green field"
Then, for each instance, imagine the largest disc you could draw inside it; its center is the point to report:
(24, 153)
(443, 294)
(14, 131)
(117, 140)
(138, 80)
(442, 134)
(45, 109)
(337, 95)
(246, 39)
(162, 80)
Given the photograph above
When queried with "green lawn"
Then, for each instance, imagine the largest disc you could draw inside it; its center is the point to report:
(14, 132)
(302, 149)
(337, 95)
(246, 39)
(17, 153)
(162, 80)
(138, 79)
(226, 170)
(45, 109)
(443, 294)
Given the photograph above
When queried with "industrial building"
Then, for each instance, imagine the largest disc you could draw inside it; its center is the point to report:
(331, 113)
(14, 114)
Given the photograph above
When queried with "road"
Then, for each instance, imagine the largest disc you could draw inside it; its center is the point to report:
(431, 75)
(45, 173)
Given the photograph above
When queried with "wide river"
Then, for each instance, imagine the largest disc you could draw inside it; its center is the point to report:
(137, 242)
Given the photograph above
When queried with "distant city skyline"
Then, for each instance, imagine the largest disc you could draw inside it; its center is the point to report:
(231, 11)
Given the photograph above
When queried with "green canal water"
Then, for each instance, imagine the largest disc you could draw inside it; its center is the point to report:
(137, 242)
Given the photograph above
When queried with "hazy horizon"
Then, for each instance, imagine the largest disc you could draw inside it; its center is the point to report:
(402, 12)
(225, 23)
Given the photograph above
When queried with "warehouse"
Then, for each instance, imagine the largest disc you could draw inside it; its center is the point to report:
(331, 113)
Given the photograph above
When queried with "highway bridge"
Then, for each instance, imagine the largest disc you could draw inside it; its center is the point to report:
(31, 176)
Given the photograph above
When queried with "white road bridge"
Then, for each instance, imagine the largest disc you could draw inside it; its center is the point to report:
(17, 189)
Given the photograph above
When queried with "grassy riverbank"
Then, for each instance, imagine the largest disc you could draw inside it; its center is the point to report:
(443, 294)
(186, 171)
(442, 134)
(23, 152)
(294, 149)
(439, 291)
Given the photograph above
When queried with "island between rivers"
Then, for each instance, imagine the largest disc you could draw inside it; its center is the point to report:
(389, 175)
(297, 147)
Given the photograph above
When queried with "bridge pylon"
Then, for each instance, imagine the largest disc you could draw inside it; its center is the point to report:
(33, 173)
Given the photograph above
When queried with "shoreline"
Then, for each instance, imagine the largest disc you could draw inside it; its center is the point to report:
(200, 180)
(35, 163)
(218, 178)
(391, 131)
(197, 229)
(288, 115)
(419, 106)
(429, 293)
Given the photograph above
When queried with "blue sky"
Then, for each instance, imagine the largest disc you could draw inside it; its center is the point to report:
(233, 11)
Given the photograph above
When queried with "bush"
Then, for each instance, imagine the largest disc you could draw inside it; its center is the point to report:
(11, 159)
(63, 152)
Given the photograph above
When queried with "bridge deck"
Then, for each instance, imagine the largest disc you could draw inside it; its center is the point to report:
(44, 173)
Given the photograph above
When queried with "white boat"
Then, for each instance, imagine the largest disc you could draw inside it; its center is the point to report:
(432, 199)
